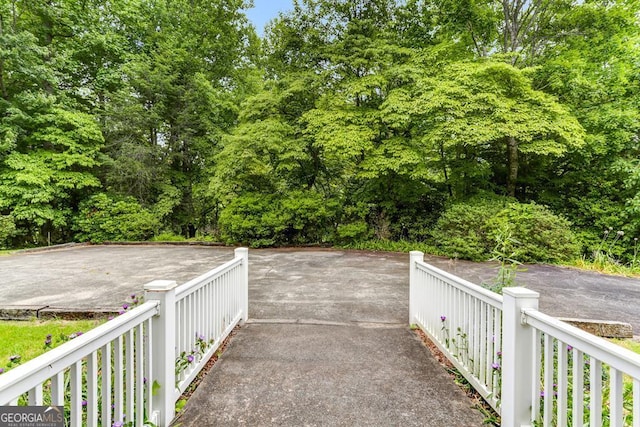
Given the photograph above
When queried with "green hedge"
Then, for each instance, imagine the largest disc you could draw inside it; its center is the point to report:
(469, 229)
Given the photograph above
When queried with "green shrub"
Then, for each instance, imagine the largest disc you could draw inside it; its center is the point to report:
(469, 230)
(463, 229)
(542, 235)
(103, 218)
(268, 219)
(7, 229)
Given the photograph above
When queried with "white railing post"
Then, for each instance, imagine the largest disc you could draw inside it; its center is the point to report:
(414, 256)
(163, 348)
(244, 294)
(518, 355)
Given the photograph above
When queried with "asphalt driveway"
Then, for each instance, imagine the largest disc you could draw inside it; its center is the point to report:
(103, 277)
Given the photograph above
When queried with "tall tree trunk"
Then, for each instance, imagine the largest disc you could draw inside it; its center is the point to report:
(513, 164)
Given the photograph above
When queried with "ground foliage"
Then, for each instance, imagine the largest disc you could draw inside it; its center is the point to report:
(349, 121)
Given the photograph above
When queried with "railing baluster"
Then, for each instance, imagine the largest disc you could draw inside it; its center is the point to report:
(595, 392)
(562, 383)
(35, 396)
(129, 377)
(148, 363)
(615, 398)
(139, 354)
(106, 386)
(76, 394)
(577, 396)
(57, 389)
(537, 376)
(548, 380)
(92, 390)
(118, 383)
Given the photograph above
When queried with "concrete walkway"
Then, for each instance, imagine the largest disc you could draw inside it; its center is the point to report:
(328, 344)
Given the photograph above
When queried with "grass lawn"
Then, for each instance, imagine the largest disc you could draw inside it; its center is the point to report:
(632, 345)
(26, 339)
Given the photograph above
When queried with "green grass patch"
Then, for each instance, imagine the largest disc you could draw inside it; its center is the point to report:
(629, 344)
(605, 267)
(26, 339)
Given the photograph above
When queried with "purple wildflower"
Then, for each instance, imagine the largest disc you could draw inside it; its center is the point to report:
(569, 347)
(542, 393)
(84, 403)
(1, 370)
(118, 424)
(499, 353)
(200, 337)
(443, 318)
(190, 358)
(133, 296)
(495, 366)
(121, 312)
(79, 333)
(125, 306)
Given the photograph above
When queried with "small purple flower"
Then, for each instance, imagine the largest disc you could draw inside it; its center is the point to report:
(121, 312)
(133, 296)
(125, 306)
(136, 301)
(118, 424)
(200, 337)
(79, 333)
(84, 403)
(542, 393)
(569, 347)
(144, 380)
(1, 370)
(190, 358)
(443, 318)
(110, 318)
(495, 366)
(499, 353)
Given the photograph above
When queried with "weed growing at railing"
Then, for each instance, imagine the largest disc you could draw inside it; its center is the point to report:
(505, 252)
(459, 345)
(184, 360)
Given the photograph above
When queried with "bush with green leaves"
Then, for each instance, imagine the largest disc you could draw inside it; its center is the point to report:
(272, 219)
(7, 229)
(103, 218)
(469, 230)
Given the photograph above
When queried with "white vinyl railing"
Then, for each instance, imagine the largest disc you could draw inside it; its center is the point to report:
(149, 354)
(463, 320)
(545, 372)
(580, 379)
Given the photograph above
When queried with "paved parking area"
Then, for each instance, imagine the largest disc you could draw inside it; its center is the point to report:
(103, 277)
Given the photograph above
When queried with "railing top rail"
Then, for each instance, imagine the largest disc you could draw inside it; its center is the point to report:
(32, 373)
(618, 357)
(477, 291)
(195, 284)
